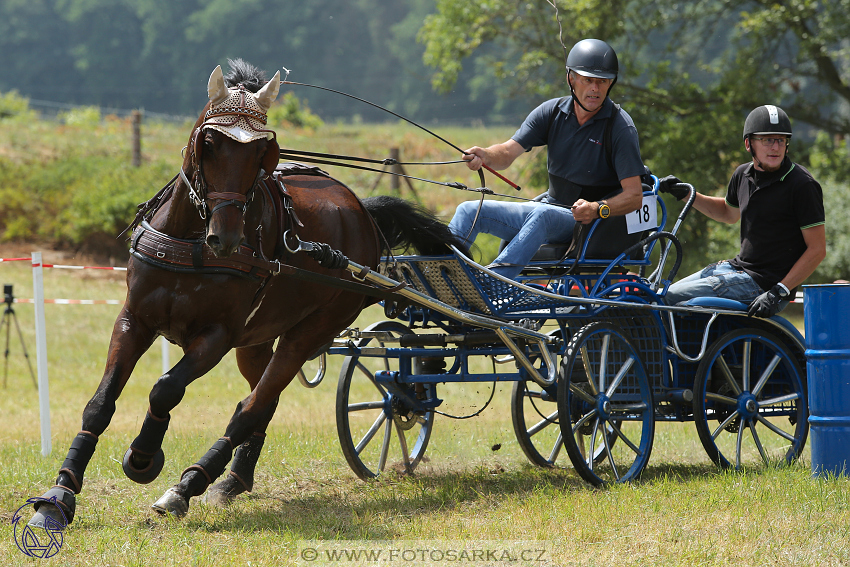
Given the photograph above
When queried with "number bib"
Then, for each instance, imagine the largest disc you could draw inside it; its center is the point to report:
(645, 218)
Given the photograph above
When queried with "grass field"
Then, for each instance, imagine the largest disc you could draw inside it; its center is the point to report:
(473, 492)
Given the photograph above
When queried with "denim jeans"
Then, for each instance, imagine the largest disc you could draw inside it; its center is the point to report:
(524, 225)
(717, 280)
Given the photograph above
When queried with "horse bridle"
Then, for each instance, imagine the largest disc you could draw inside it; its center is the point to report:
(198, 187)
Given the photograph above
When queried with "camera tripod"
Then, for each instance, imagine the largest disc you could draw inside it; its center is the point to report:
(9, 316)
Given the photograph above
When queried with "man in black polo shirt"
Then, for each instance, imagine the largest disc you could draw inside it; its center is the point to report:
(780, 205)
(586, 179)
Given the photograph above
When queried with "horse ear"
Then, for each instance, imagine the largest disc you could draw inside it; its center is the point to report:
(271, 157)
(216, 88)
(267, 94)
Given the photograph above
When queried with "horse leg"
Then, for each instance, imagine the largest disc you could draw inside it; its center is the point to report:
(254, 411)
(144, 459)
(129, 341)
(252, 361)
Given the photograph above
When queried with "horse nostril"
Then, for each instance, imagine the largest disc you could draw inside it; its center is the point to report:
(214, 242)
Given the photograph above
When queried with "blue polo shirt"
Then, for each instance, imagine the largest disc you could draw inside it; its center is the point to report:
(576, 153)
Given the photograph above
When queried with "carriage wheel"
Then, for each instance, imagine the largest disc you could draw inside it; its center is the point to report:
(750, 405)
(375, 429)
(604, 390)
(534, 411)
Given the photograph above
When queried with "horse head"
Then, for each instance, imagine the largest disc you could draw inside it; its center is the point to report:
(230, 152)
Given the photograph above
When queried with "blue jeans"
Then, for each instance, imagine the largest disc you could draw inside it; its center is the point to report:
(524, 225)
(717, 280)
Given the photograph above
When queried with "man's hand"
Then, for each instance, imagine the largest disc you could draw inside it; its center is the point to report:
(474, 157)
(585, 212)
(670, 184)
(767, 304)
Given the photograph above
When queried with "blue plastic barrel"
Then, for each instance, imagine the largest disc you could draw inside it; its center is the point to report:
(826, 314)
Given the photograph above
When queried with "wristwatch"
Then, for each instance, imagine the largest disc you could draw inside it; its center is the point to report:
(604, 211)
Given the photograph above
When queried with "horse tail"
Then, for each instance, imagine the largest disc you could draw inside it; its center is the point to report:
(405, 225)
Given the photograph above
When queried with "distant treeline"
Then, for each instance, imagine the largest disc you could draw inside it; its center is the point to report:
(158, 54)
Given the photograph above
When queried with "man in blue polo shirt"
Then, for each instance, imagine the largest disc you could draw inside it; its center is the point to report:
(587, 181)
(780, 206)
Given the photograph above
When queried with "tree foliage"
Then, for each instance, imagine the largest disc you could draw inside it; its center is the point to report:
(689, 74)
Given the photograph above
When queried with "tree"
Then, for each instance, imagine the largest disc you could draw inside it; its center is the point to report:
(690, 73)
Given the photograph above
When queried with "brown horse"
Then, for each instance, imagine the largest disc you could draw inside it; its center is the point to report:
(202, 273)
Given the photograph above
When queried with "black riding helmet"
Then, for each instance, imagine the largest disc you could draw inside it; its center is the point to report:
(592, 58)
(767, 119)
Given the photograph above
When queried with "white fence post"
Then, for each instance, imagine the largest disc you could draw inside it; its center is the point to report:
(166, 363)
(41, 353)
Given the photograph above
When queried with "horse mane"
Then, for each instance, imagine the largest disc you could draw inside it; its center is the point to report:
(405, 225)
(242, 72)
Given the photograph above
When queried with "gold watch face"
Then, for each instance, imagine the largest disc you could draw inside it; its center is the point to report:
(604, 211)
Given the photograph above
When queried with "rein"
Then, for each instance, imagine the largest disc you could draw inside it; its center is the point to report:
(409, 121)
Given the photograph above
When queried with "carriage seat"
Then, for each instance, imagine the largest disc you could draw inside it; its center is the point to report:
(715, 303)
(599, 241)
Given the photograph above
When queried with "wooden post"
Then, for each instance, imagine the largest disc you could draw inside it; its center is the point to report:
(137, 137)
(395, 183)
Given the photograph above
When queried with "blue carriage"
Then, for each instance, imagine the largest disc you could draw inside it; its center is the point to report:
(595, 356)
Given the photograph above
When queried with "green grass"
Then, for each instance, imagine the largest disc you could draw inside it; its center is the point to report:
(683, 512)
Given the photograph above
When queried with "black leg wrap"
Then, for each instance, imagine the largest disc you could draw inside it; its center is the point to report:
(245, 460)
(212, 464)
(149, 440)
(64, 500)
(79, 455)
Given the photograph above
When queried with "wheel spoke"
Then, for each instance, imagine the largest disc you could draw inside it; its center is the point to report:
(726, 422)
(592, 452)
(748, 351)
(368, 373)
(543, 423)
(766, 374)
(385, 446)
(603, 360)
(738, 445)
(627, 365)
(361, 406)
(724, 368)
(576, 389)
(776, 430)
(722, 399)
(625, 439)
(758, 442)
(588, 370)
(584, 420)
(405, 455)
(556, 450)
(610, 454)
(780, 400)
(371, 433)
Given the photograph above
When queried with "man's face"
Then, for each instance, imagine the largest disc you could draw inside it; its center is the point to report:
(590, 91)
(769, 150)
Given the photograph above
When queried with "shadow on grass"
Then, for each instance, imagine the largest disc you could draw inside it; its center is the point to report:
(350, 509)
(353, 509)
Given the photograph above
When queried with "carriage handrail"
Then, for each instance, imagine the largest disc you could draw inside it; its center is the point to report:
(655, 277)
(675, 349)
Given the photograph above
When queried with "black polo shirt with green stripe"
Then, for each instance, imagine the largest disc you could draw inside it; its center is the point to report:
(775, 209)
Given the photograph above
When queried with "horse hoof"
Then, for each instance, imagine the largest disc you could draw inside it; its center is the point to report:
(223, 493)
(171, 503)
(54, 510)
(146, 474)
(48, 517)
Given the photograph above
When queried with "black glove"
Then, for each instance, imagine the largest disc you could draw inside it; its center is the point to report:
(670, 184)
(767, 304)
